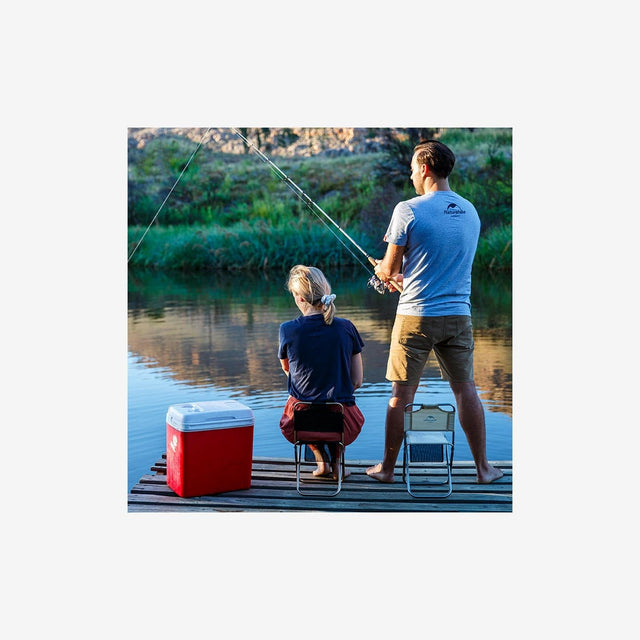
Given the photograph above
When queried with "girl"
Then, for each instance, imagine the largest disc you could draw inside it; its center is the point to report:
(321, 355)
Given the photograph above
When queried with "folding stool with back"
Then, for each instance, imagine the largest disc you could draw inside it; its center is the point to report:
(318, 424)
(428, 443)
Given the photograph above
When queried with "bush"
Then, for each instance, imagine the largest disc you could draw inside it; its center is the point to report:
(488, 186)
(495, 249)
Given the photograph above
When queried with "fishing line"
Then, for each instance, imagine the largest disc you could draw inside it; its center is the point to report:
(374, 281)
(170, 192)
(328, 227)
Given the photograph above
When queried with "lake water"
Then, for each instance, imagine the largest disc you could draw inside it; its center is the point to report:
(215, 337)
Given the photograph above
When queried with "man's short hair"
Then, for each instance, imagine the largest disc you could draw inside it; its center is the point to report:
(437, 156)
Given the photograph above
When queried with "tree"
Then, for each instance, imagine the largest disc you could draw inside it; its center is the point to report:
(397, 145)
(258, 132)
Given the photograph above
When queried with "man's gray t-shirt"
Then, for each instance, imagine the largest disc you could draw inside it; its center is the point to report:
(439, 231)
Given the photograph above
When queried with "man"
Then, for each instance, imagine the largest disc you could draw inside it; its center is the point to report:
(432, 239)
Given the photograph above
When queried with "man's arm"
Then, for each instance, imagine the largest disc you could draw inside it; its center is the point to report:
(389, 267)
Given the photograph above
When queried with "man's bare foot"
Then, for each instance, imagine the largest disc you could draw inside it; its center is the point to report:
(491, 474)
(377, 473)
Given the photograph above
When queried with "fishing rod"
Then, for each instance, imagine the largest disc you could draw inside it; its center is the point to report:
(374, 281)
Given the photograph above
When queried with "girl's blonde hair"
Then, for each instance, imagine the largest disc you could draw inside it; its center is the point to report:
(311, 284)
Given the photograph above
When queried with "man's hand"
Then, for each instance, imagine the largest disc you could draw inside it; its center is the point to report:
(380, 271)
(390, 280)
(395, 280)
(388, 269)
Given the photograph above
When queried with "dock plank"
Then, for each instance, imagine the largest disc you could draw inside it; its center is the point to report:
(273, 489)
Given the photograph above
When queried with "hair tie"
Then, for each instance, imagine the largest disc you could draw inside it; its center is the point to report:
(327, 299)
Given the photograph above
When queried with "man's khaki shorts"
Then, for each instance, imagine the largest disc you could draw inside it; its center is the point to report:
(414, 337)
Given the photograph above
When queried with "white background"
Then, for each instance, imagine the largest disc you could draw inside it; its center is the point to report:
(76, 75)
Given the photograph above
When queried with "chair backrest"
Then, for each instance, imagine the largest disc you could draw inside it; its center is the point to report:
(326, 417)
(429, 417)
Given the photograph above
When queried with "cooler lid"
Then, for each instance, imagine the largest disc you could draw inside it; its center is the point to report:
(209, 414)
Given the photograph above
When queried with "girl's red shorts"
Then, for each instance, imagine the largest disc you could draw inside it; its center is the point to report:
(353, 421)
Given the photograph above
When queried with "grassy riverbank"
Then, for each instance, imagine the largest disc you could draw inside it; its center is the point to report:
(243, 245)
(260, 245)
(229, 211)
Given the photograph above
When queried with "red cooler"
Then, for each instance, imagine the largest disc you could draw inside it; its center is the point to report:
(209, 447)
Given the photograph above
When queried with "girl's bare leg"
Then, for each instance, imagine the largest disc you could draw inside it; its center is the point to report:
(324, 468)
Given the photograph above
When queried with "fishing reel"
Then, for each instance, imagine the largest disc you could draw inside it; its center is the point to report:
(377, 284)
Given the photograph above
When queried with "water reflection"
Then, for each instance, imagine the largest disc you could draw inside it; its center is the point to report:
(223, 330)
(215, 335)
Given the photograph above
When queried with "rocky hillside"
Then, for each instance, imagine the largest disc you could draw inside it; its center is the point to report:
(299, 142)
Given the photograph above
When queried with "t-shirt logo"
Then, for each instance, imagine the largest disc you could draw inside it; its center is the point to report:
(454, 209)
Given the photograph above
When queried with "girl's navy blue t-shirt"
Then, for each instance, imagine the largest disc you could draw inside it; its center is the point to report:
(319, 358)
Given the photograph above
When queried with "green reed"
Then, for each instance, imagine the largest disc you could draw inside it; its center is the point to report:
(249, 246)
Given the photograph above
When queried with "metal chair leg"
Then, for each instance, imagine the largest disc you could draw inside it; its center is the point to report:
(426, 493)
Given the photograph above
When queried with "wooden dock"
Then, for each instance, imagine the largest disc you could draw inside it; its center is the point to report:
(273, 488)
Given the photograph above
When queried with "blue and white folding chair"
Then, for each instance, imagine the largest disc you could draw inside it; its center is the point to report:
(429, 439)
